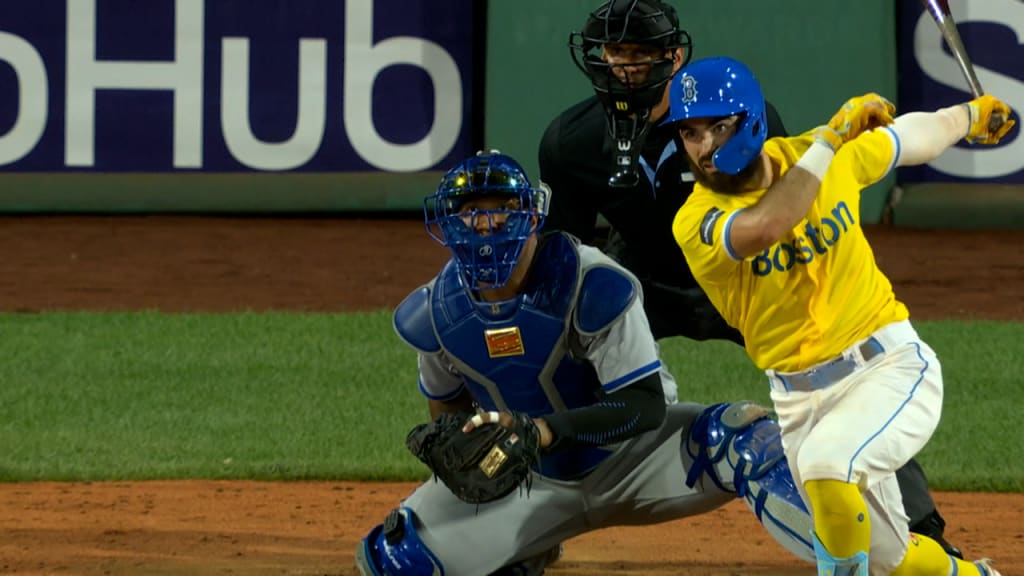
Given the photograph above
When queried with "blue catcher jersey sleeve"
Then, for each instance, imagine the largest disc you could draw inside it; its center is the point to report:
(623, 350)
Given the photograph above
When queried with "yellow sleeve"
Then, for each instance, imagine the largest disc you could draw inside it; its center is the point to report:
(869, 157)
(699, 231)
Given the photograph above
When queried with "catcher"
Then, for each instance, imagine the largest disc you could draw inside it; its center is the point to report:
(553, 414)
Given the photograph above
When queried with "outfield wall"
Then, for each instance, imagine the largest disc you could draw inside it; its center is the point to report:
(370, 142)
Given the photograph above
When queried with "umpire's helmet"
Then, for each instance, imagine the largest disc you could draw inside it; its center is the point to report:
(715, 87)
(486, 259)
(647, 22)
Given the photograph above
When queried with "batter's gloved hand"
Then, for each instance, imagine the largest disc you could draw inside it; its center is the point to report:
(990, 120)
(858, 115)
(480, 458)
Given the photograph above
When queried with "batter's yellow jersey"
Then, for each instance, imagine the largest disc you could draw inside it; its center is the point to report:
(818, 290)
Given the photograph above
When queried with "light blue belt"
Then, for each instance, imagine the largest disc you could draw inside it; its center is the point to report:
(830, 372)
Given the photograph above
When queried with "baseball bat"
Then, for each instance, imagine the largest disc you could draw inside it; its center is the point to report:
(943, 18)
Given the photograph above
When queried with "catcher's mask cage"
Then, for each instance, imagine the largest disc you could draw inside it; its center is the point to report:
(486, 244)
(650, 23)
(718, 87)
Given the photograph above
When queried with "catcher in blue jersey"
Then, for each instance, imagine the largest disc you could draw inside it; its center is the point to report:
(553, 413)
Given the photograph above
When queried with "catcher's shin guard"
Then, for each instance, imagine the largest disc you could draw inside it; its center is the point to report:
(828, 565)
(739, 447)
(395, 549)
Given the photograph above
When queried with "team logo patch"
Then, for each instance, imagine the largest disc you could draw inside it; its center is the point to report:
(503, 342)
(707, 226)
(689, 86)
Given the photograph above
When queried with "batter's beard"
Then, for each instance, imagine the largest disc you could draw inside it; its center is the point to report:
(723, 183)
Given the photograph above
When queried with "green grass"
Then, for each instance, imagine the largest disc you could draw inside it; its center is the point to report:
(121, 396)
(318, 396)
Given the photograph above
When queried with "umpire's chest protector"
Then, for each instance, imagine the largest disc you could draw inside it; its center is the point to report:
(516, 355)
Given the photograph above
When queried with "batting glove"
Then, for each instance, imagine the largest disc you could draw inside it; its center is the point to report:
(990, 120)
(828, 136)
(858, 115)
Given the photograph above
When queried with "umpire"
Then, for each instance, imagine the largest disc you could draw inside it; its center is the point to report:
(607, 157)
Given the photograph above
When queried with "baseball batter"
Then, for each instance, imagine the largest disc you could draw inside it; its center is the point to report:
(629, 50)
(773, 234)
(519, 323)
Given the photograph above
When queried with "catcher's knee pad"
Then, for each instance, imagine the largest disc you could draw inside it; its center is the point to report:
(739, 447)
(395, 549)
(733, 443)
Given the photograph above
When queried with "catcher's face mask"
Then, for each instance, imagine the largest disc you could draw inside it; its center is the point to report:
(483, 211)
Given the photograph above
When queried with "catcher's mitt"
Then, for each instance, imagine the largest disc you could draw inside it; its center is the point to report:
(482, 465)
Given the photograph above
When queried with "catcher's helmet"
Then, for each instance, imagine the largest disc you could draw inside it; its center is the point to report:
(715, 87)
(485, 257)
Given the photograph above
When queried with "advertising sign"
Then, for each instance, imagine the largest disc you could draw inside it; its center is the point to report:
(238, 85)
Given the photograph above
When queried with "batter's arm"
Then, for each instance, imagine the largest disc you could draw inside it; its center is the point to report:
(788, 198)
(784, 204)
(923, 136)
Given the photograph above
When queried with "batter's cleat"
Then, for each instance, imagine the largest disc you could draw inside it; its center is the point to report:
(985, 567)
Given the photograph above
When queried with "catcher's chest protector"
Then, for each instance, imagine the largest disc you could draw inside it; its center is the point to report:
(510, 344)
(514, 355)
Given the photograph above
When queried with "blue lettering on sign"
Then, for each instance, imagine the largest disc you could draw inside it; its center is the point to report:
(816, 240)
